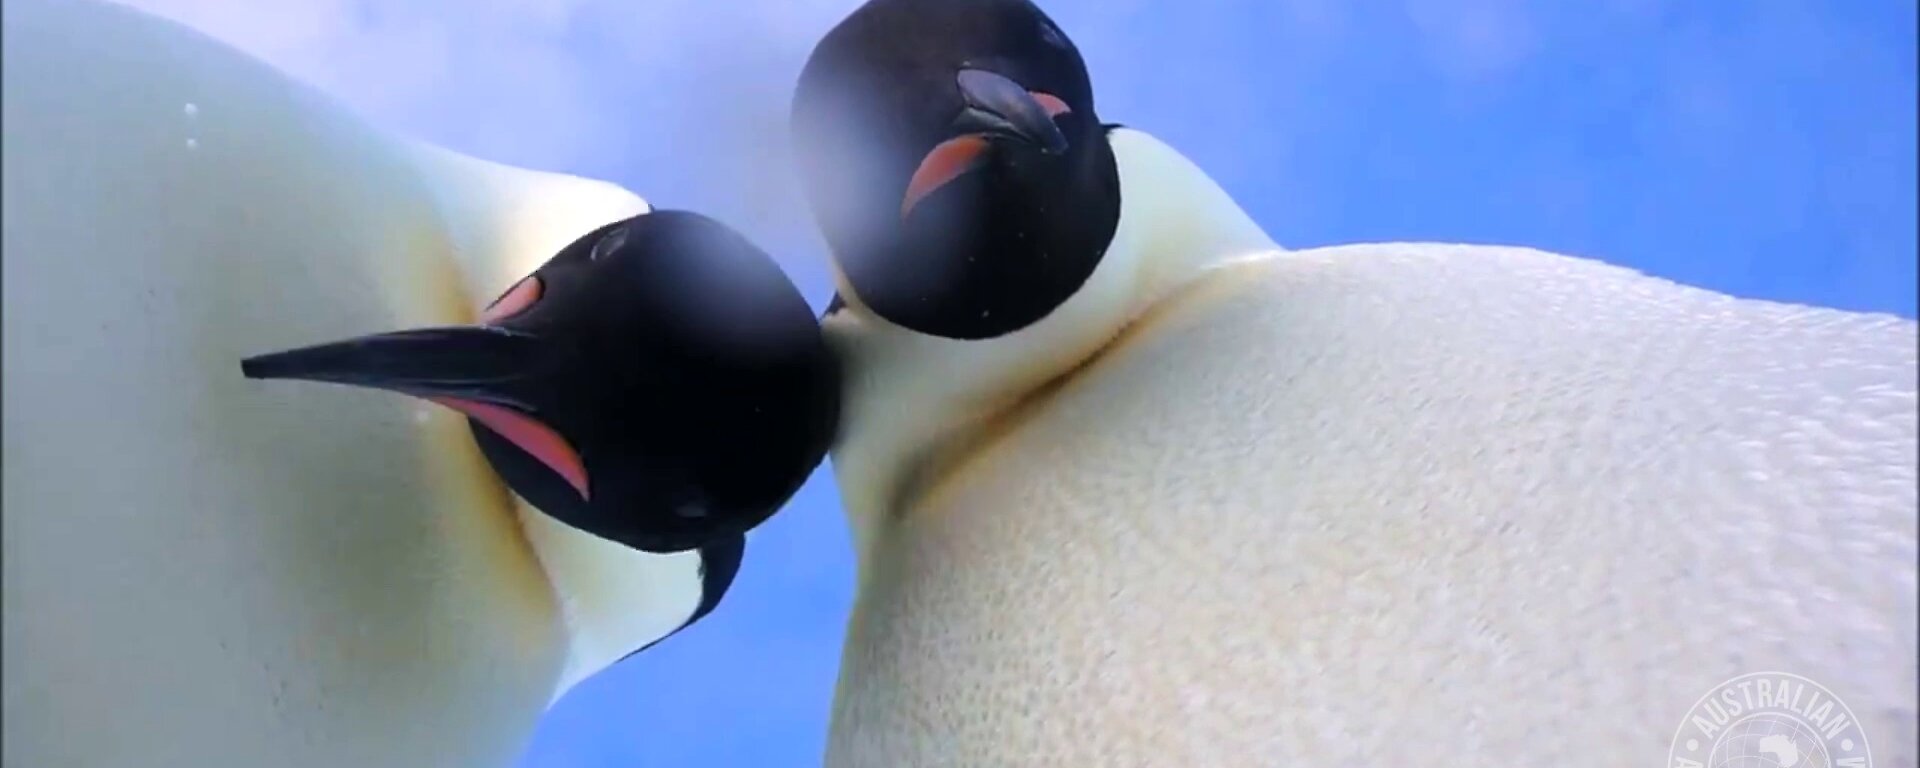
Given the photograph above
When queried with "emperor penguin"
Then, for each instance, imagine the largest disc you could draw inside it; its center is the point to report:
(1134, 486)
(203, 569)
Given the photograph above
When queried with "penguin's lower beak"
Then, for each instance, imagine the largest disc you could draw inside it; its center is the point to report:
(484, 372)
(996, 108)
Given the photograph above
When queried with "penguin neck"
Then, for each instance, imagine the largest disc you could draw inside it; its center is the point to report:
(501, 223)
(918, 404)
(504, 222)
(1176, 223)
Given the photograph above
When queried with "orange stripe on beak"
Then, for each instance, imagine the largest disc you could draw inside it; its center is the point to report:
(1054, 106)
(956, 156)
(516, 300)
(945, 163)
(537, 439)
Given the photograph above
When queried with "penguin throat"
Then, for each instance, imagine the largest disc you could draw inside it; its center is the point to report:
(919, 407)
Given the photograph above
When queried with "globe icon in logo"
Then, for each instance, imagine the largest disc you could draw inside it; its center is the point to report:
(1769, 740)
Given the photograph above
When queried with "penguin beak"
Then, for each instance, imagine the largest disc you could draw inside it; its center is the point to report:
(478, 363)
(996, 107)
(483, 372)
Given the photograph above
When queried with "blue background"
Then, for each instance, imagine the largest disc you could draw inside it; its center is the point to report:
(1764, 149)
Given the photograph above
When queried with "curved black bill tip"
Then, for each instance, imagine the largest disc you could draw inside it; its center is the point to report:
(996, 105)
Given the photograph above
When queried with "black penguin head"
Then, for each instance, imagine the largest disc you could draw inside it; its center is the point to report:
(953, 159)
(658, 382)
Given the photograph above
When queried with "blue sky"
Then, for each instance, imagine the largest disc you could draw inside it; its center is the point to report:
(1764, 149)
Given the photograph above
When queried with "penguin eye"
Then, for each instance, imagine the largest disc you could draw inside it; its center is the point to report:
(609, 242)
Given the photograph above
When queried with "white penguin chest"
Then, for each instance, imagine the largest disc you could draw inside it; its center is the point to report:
(1368, 503)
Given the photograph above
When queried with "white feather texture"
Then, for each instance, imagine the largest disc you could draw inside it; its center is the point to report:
(203, 570)
(1394, 504)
